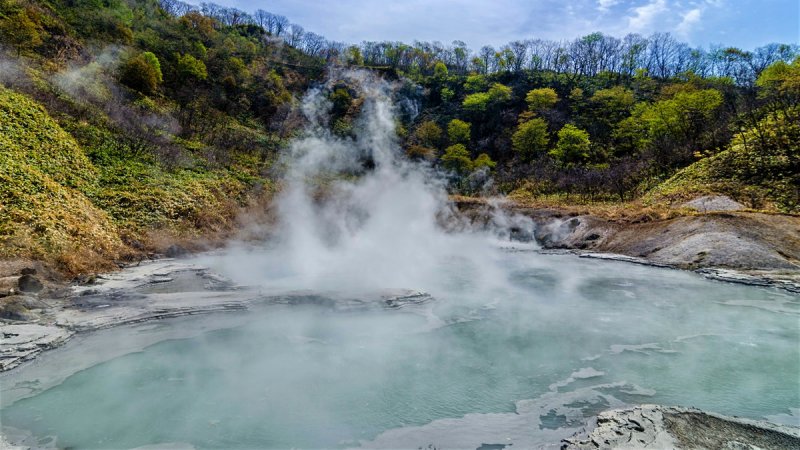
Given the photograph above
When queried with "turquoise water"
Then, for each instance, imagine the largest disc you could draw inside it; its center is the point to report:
(526, 361)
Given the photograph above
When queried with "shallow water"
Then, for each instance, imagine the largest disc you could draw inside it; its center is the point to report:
(524, 361)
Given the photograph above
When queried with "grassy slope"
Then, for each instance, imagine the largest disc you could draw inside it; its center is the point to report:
(80, 206)
(44, 174)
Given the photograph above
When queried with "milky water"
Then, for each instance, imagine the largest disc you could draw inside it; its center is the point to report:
(527, 364)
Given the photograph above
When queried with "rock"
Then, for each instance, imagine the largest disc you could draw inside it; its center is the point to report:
(29, 283)
(653, 426)
(176, 251)
(713, 203)
(13, 309)
(28, 271)
(22, 342)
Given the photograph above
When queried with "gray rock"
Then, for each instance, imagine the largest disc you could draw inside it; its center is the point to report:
(23, 342)
(12, 309)
(29, 283)
(28, 271)
(713, 203)
(176, 251)
(658, 427)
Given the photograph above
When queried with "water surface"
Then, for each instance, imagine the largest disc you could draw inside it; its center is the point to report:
(524, 361)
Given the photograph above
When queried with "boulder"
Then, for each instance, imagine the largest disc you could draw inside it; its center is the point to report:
(176, 251)
(29, 283)
(11, 309)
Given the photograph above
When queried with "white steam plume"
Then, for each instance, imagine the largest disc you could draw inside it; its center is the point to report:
(354, 214)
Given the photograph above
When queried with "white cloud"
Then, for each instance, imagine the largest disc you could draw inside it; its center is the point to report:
(644, 16)
(604, 5)
(690, 19)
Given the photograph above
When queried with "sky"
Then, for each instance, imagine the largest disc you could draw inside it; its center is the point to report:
(746, 24)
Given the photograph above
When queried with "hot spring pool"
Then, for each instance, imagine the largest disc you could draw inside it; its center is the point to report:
(522, 362)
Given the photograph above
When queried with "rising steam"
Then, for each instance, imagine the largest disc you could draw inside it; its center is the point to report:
(354, 213)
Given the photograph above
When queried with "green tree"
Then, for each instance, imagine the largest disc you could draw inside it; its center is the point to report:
(531, 138)
(499, 93)
(458, 131)
(572, 147)
(21, 32)
(428, 134)
(189, 67)
(440, 71)
(780, 82)
(480, 101)
(476, 102)
(539, 99)
(475, 83)
(354, 56)
(456, 158)
(616, 101)
(607, 107)
(483, 160)
(142, 73)
(447, 94)
(341, 100)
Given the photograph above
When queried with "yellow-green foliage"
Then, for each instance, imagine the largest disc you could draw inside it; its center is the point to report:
(43, 212)
(29, 134)
(140, 194)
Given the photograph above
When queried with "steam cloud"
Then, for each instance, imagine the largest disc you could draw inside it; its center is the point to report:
(354, 214)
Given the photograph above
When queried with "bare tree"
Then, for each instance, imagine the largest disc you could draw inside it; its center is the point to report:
(295, 35)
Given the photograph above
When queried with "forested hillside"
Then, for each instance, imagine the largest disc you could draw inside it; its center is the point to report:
(160, 121)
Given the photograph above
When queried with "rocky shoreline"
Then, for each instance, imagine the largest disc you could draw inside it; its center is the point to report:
(743, 247)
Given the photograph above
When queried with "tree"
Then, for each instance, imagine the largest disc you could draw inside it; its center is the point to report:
(483, 160)
(499, 93)
(475, 83)
(780, 82)
(189, 67)
(479, 101)
(21, 32)
(539, 99)
(440, 71)
(531, 138)
(572, 147)
(142, 73)
(456, 158)
(354, 56)
(458, 131)
(476, 102)
(428, 134)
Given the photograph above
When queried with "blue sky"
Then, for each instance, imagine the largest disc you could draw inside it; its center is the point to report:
(742, 23)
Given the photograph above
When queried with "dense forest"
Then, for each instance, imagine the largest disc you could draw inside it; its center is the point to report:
(127, 123)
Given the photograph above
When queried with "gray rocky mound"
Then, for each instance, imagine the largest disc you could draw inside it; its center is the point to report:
(663, 427)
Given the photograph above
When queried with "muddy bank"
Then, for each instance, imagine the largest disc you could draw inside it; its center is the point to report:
(659, 427)
(745, 247)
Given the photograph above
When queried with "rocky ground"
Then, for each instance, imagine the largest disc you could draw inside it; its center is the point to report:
(722, 243)
(662, 427)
